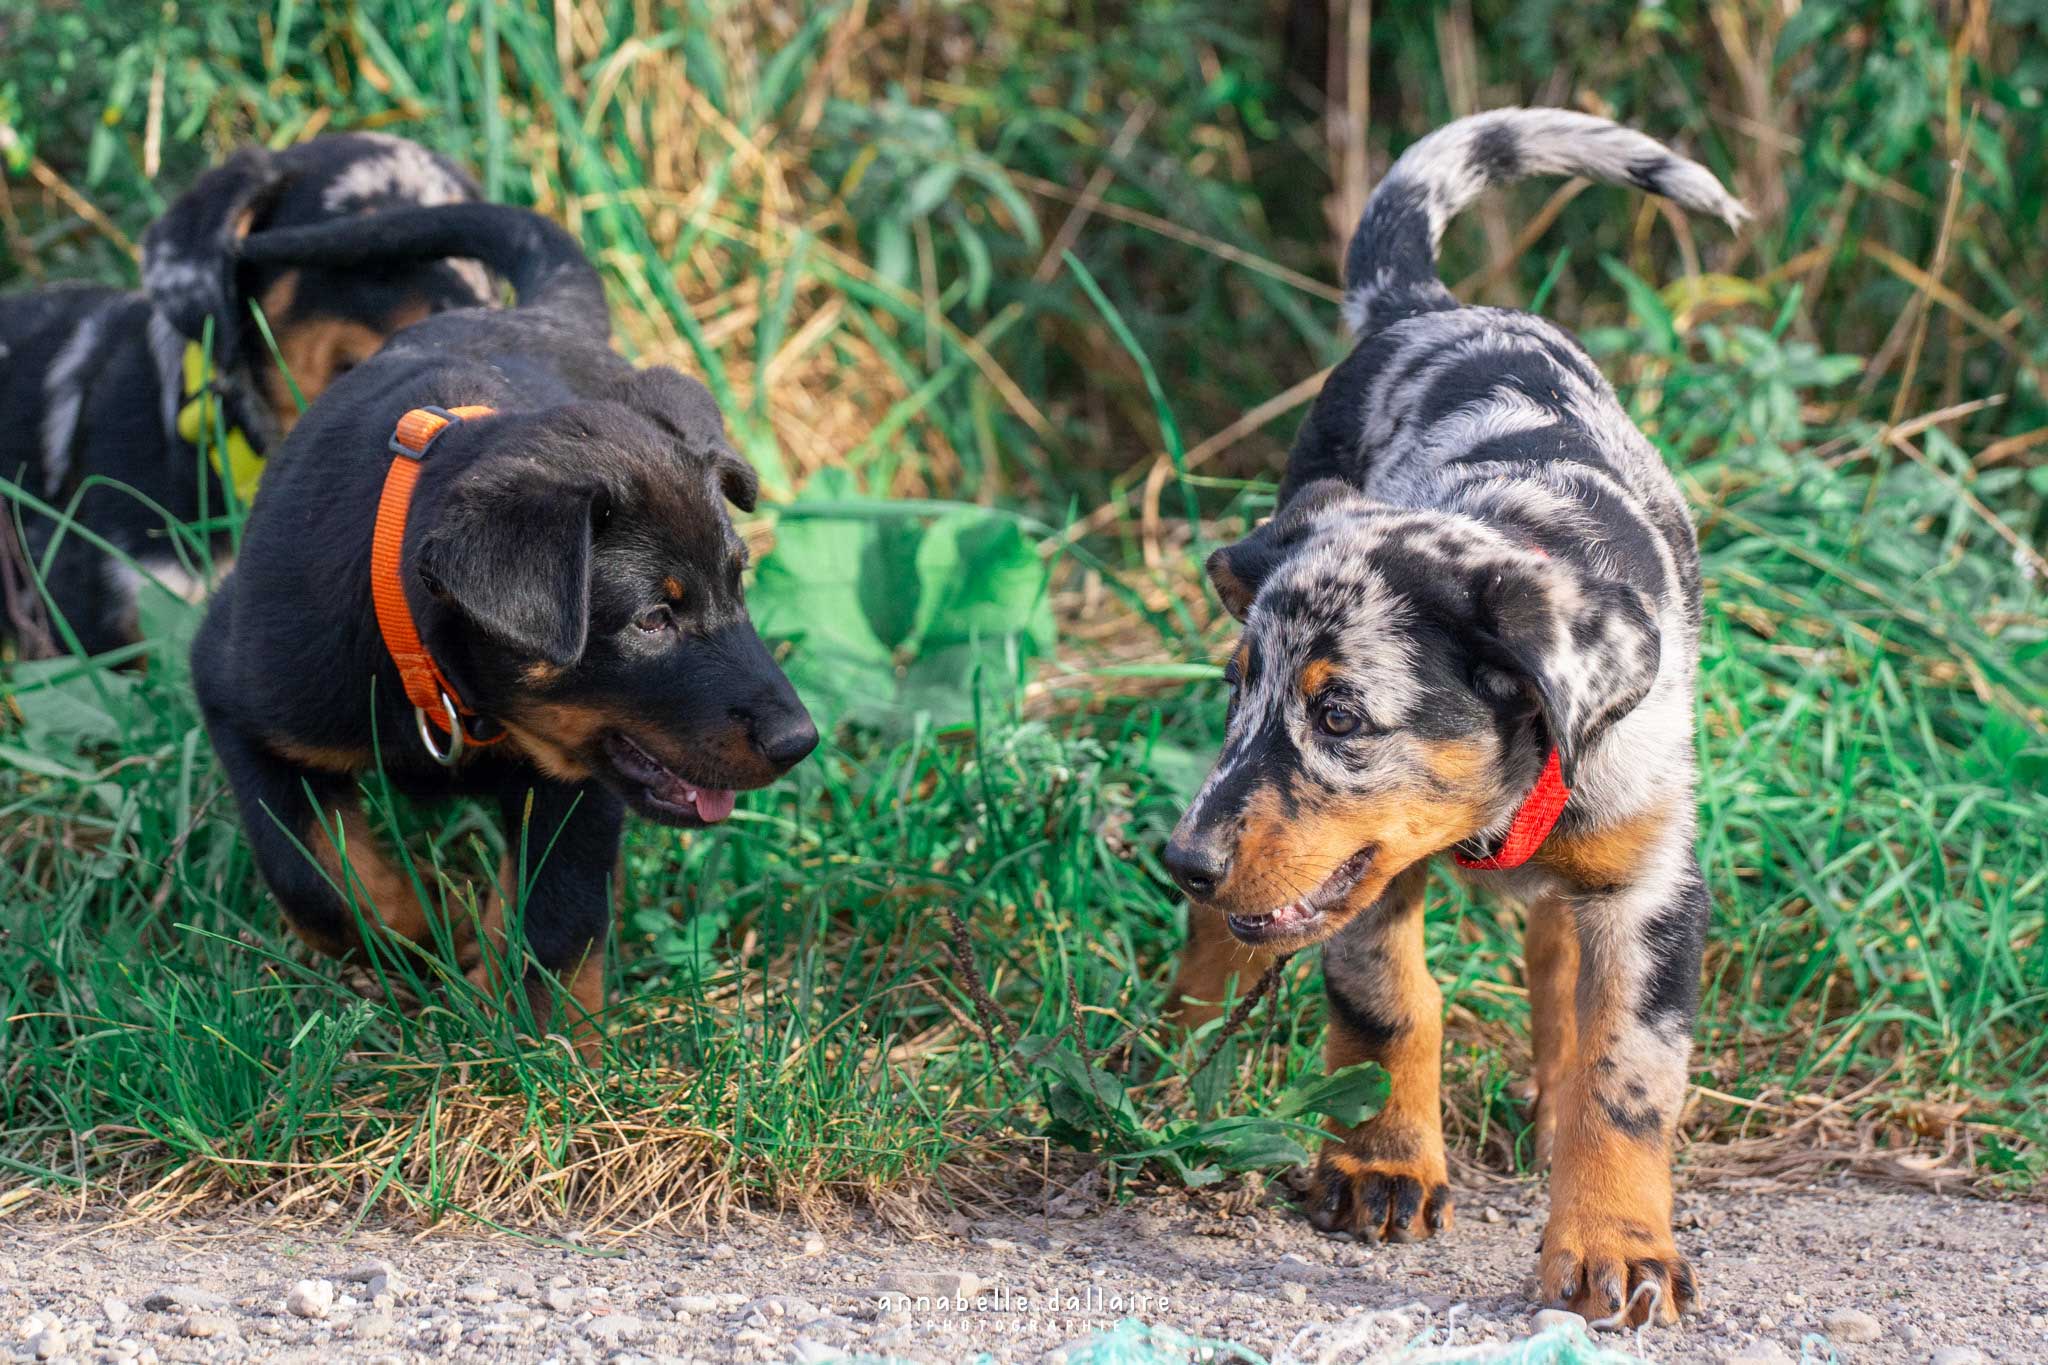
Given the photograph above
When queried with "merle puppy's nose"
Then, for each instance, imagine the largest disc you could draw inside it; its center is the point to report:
(784, 736)
(1199, 867)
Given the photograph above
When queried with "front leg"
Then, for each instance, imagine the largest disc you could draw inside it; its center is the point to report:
(1387, 1178)
(1608, 1251)
(562, 843)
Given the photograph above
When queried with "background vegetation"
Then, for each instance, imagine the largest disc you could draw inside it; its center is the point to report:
(1015, 306)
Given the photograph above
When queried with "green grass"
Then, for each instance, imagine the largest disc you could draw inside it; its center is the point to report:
(850, 256)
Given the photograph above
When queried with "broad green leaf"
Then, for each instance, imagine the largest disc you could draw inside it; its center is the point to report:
(1350, 1096)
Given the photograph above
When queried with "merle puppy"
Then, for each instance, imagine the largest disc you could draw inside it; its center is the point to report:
(493, 559)
(1471, 633)
(101, 384)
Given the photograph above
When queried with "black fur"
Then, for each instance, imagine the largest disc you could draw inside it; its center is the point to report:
(91, 379)
(569, 562)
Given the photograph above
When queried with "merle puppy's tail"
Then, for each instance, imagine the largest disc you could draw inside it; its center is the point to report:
(545, 265)
(1390, 267)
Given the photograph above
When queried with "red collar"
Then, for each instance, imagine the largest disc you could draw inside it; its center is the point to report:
(1535, 818)
(1532, 824)
(435, 703)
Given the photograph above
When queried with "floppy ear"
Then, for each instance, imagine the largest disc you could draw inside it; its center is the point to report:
(1586, 648)
(737, 479)
(190, 254)
(515, 557)
(1238, 571)
(686, 410)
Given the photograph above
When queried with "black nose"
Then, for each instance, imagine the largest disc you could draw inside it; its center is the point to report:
(784, 737)
(1199, 867)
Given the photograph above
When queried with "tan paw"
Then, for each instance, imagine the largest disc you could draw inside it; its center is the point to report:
(1614, 1274)
(1378, 1199)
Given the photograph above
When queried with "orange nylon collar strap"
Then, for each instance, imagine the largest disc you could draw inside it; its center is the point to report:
(434, 699)
(1532, 824)
(1534, 819)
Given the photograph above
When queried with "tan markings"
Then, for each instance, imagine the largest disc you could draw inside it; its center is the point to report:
(583, 980)
(1316, 675)
(1611, 856)
(1461, 766)
(540, 673)
(1280, 857)
(1405, 1140)
(1610, 1214)
(1212, 959)
(1404, 990)
(1550, 956)
(674, 588)
(1230, 589)
(1242, 657)
(317, 350)
(339, 759)
(1610, 1190)
(377, 886)
(556, 735)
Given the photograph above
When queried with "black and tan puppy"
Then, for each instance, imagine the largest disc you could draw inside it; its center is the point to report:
(1471, 632)
(562, 583)
(100, 384)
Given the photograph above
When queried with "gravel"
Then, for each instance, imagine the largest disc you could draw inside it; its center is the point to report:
(1884, 1276)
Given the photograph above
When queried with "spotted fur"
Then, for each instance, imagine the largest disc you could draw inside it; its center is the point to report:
(92, 381)
(1477, 558)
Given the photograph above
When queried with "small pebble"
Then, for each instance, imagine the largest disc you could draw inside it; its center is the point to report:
(477, 1293)
(805, 1351)
(1852, 1325)
(369, 1271)
(47, 1344)
(372, 1326)
(205, 1325)
(1550, 1318)
(1958, 1355)
(1490, 1214)
(558, 1300)
(1294, 1292)
(814, 1246)
(116, 1310)
(310, 1299)
(186, 1297)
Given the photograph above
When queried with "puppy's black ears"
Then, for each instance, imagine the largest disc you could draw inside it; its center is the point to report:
(1239, 571)
(737, 479)
(189, 255)
(514, 555)
(687, 411)
(1586, 648)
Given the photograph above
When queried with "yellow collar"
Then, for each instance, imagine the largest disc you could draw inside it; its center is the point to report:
(238, 463)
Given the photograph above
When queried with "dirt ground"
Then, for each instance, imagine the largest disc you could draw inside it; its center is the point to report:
(1883, 1275)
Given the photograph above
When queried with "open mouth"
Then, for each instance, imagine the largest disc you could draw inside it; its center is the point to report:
(661, 792)
(1299, 917)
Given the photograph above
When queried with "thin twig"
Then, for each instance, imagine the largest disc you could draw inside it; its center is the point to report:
(991, 1018)
(1242, 1012)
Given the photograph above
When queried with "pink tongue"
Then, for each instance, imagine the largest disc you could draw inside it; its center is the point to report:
(713, 806)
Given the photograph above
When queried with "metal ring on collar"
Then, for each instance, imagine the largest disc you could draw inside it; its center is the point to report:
(452, 755)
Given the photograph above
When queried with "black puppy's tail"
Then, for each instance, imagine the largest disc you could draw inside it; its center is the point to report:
(1390, 267)
(545, 265)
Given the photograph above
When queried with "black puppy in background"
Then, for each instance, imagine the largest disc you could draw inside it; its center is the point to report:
(103, 383)
(567, 563)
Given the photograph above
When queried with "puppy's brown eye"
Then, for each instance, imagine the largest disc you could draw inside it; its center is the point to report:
(655, 620)
(1336, 719)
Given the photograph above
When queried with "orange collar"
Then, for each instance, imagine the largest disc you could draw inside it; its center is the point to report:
(435, 703)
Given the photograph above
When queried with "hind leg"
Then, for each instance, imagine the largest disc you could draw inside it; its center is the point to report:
(327, 868)
(1550, 958)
